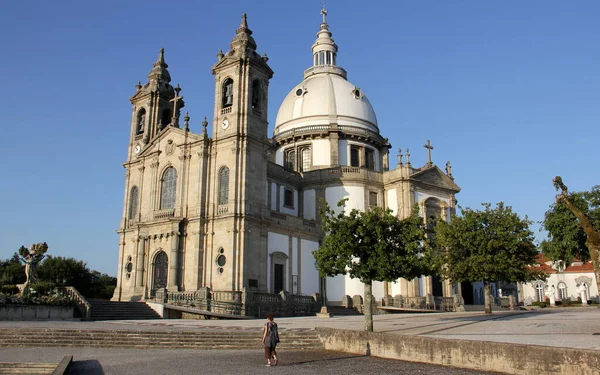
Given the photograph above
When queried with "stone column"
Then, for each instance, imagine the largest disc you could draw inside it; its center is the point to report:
(173, 277)
(334, 147)
(404, 287)
(139, 273)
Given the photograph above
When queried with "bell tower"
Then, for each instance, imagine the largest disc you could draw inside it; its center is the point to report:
(239, 159)
(156, 105)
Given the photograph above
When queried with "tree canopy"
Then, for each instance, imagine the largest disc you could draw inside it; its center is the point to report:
(372, 245)
(586, 213)
(494, 244)
(566, 237)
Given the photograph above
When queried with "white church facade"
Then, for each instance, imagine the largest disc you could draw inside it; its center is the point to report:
(237, 209)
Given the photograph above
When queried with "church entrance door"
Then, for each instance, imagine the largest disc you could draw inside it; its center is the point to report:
(466, 288)
(436, 286)
(278, 278)
(159, 274)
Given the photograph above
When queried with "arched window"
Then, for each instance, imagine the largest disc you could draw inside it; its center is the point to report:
(290, 160)
(227, 93)
(168, 189)
(161, 266)
(256, 94)
(306, 160)
(223, 185)
(140, 121)
(133, 202)
(432, 212)
(562, 291)
(165, 118)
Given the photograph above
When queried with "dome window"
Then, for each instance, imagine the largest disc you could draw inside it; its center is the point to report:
(299, 92)
(357, 93)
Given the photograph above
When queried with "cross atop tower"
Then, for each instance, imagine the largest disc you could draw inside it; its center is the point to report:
(175, 100)
(429, 147)
(324, 13)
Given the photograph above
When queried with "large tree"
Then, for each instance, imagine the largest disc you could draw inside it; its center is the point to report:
(573, 224)
(490, 245)
(372, 245)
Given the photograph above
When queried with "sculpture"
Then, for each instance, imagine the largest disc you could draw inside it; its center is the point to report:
(31, 258)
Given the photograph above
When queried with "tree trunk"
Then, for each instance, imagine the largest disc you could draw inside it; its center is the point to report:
(367, 307)
(593, 236)
(487, 297)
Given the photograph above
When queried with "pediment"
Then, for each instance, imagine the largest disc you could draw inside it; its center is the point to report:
(435, 177)
(167, 141)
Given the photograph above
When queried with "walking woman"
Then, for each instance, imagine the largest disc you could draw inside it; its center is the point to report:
(270, 340)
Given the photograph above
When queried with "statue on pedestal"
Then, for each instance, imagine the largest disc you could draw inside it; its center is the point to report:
(31, 258)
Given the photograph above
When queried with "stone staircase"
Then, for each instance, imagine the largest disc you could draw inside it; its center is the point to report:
(341, 310)
(238, 339)
(108, 310)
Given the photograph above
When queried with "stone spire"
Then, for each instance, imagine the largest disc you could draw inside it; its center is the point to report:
(159, 71)
(243, 38)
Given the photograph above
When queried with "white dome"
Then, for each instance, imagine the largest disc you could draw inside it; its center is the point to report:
(325, 98)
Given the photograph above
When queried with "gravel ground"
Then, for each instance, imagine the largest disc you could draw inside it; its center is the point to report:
(93, 361)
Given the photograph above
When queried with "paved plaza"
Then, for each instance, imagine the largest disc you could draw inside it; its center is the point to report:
(568, 328)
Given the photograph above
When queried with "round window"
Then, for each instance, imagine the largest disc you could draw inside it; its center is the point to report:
(357, 94)
(299, 92)
(221, 260)
(129, 267)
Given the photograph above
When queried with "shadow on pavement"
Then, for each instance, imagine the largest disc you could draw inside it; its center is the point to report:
(89, 367)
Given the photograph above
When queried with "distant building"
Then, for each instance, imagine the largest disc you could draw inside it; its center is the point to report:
(238, 209)
(566, 282)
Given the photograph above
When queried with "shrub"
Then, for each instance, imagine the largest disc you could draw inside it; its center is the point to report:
(540, 304)
(43, 288)
(9, 289)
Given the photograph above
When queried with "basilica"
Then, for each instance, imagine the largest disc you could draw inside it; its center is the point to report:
(237, 208)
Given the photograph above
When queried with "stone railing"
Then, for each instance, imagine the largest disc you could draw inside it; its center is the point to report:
(82, 305)
(164, 214)
(226, 110)
(240, 302)
(222, 209)
(422, 303)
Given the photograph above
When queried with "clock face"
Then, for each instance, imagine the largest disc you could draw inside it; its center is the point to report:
(137, 149)
(225, 124)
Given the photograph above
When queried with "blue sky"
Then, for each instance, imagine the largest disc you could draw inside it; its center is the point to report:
(507, 91)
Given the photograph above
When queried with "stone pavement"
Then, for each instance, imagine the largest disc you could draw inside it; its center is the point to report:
(94, 361)
(561, 327)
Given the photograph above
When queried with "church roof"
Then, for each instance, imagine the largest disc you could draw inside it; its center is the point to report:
(325, 95)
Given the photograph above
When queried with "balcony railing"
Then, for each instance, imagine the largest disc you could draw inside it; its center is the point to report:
(164, 214)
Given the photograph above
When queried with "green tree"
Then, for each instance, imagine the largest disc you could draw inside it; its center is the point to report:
(11, 271)
(490, 245)
(66, 271)
(372, 246)
(102, 285)
(579, 236)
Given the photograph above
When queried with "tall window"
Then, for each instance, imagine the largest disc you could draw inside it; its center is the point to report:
(290, 160)
(288, 198)
(305, 155)
(369, 159)
(227, 93)
(562, 291)
(355, 156)
(140, 121)
(256, 94)
(168, 189)
(372, 199)
(539, 292)
(133, 203)
(223, 185)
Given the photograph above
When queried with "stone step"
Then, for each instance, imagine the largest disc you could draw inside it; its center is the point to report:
(153, 339)
(27, 368)
(109, 310)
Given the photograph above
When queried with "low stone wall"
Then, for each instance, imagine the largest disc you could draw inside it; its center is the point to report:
(476, 355)
(36, 312)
